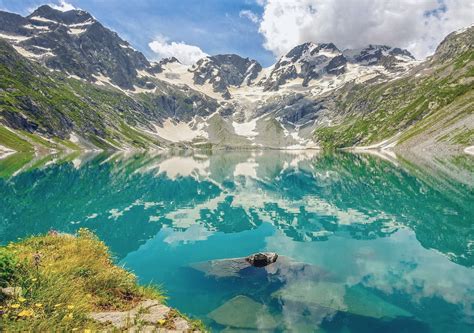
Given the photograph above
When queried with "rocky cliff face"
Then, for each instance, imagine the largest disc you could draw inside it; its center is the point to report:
(66, 76)
(307, 62)
(311, 61)
(429, 108)
(75, 43)
(225, 70)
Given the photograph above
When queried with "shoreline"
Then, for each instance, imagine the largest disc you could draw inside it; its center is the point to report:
(69, 282)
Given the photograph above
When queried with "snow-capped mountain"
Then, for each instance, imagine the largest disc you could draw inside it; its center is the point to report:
(75, 43)
(310, 62)
(225, 70)
(220, 101)
(306, 65)
(305, 62)
(382, 55)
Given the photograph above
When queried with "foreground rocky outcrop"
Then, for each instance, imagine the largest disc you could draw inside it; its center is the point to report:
(148, 316)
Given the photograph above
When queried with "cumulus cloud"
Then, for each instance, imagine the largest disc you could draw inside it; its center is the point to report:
(185, 53)
(63, 6)
(249, 15)
(418, 26)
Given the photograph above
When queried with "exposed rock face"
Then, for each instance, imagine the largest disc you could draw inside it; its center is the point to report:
(306, 61)
(75, 43)
(262, 259)
(148, 316)
(223, 71)
(375, 54)
(10, 292)
(13, 23)
(392, 59)
(456, 43)
(310, 61)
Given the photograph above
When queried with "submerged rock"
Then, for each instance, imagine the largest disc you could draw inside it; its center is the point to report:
(262, 259)
(282, 269)
(244, 313)
(335, 296)
(221, 268)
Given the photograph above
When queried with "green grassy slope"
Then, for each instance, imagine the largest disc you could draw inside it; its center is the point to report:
(412, 104)
(36, 100)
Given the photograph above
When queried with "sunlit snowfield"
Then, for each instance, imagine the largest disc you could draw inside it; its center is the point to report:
(366, 244)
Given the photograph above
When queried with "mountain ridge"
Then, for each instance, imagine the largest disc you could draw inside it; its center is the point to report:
(222, 101)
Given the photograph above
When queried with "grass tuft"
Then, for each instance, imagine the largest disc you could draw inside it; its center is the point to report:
(62, 279)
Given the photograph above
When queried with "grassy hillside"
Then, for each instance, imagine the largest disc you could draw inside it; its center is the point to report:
(52, 106)
(56, 281)
(411, 105)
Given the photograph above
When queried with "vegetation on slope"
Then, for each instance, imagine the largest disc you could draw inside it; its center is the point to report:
(410, 105)
(38, 101)
(57, 280)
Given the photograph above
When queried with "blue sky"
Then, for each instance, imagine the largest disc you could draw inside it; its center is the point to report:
(216, 26)
(266, 29)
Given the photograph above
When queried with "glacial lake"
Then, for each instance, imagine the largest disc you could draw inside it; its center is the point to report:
(366, 244)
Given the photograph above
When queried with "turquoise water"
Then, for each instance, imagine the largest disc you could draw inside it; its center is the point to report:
(366, 244)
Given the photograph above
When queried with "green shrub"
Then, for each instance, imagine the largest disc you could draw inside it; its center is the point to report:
(8, 263)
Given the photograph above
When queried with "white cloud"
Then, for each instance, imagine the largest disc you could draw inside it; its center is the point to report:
(250, 15)
(185, 53)
(418, 26)
(63, 6)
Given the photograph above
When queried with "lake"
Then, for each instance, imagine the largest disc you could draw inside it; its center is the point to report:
(366, 244)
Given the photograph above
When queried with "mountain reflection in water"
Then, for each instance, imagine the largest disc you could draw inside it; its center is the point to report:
(393, 234)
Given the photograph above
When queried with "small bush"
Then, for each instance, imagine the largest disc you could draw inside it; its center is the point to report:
(8, 263)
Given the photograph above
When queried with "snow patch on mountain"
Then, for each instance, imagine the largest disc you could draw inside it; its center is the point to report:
(179, 131)
(247, 129)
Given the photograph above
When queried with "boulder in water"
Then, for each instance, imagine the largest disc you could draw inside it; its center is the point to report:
(262, 259)
(339, 297)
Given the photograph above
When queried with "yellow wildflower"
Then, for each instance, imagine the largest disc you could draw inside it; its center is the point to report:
(69, 316)
(21, 299)
(15, 306)
(39, 305)
(26, 313)
(70, 307)
(87, 330)
(161, 321)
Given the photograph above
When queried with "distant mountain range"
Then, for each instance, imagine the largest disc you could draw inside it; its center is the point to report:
(68, 82)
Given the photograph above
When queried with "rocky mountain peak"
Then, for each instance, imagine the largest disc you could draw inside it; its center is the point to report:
(75, 43)
(225, 70)
(75, 16)
(169, 60)
(309, 50)
(455, 44)
(12, 23)
(159, 66)
(375, 54)
(307, 61)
